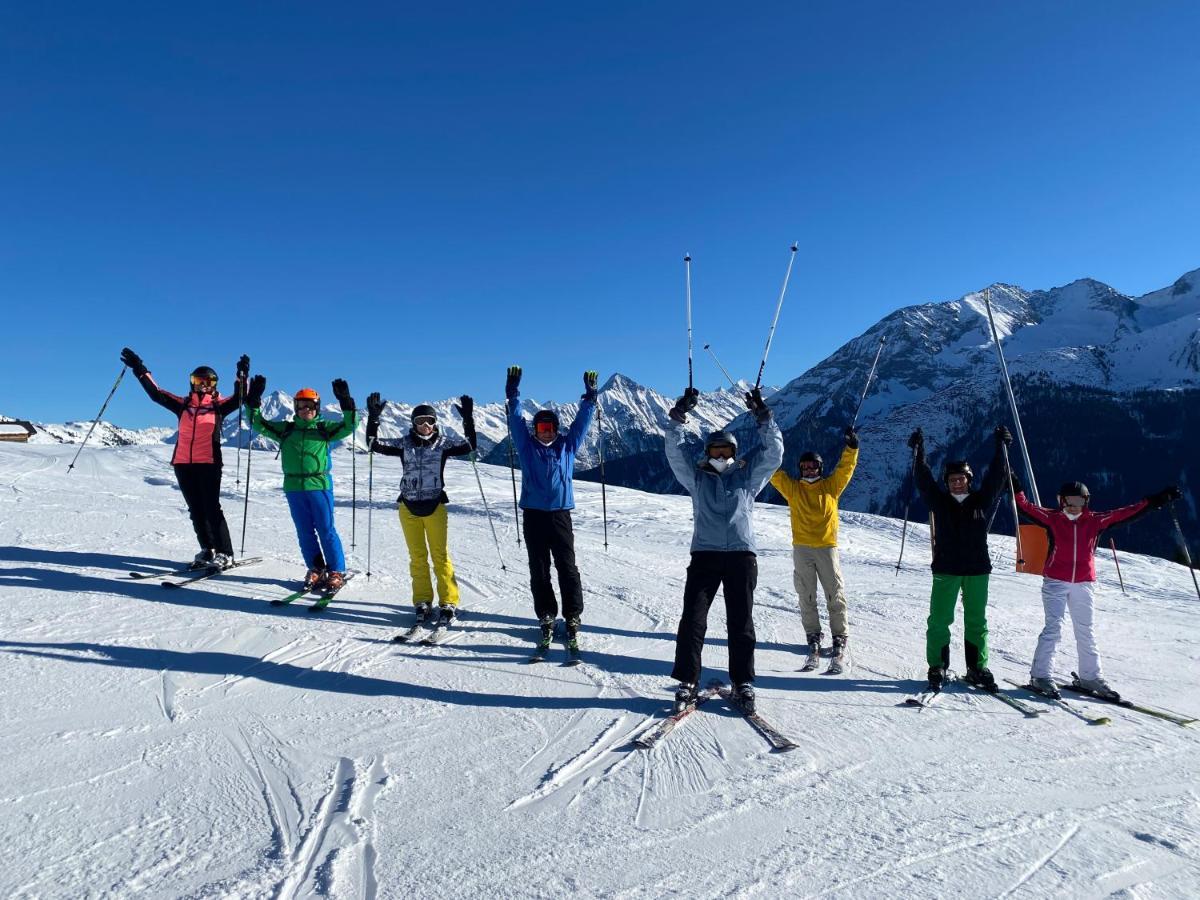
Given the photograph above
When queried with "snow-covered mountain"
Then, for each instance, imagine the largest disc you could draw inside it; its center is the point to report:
(1108, 387)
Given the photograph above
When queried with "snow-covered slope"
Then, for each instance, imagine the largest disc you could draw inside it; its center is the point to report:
(201, 743)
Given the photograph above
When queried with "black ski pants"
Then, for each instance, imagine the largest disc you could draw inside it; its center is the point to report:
(549, 534)
(200, 484)
(737, 571)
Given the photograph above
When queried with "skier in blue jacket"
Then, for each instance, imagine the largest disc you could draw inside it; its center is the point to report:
(547, 497)
(724, 552)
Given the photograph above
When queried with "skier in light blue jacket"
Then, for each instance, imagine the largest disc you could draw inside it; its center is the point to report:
(724, 552)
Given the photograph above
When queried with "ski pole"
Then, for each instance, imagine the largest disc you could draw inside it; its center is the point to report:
(1183, 543)
(732, 383)
(1112, 543)
(687, 268)
(353, 487)
(1012, 400)
(97, 419)
(912, 474)
(512, 469)
(246, 501)
(867, 386)
(778, 307)
(370, 499)
(603, 486)
(488, 512)
(1016, 514)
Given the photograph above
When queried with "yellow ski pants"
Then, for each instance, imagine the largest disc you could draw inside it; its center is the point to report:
(426, 536)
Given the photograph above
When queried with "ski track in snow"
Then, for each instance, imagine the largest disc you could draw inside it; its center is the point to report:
(201, 743)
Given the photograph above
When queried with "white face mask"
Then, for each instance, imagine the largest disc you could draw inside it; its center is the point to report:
(811, 478)
(1072, 515)
(720, 463)
(960, 497)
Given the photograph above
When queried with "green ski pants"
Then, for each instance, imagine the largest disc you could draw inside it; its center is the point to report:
(942, 601)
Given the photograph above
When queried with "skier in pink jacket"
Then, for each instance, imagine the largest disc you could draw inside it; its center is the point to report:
(1069, 578)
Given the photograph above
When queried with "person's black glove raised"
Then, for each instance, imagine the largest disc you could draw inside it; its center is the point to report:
(851, 437)
(1163, 497)
(512, 382)
(916, 441)
(134, 362)
(756, 405)
(254, 395)
(684, 405)
(341, 391)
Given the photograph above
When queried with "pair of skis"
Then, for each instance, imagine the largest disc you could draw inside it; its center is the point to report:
(927, 698)
(773, 735)
(188, 575)
(572, 646)
(423, 631)
(1164, 714)
(323, 596)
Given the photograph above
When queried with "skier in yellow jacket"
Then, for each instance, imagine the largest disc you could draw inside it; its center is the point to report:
(813, 501)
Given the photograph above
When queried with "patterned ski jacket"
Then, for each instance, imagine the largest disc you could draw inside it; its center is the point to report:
(813, 505)
(304, 447)
(723, 503)
(422, 488)
(1072, 553)
(960, 529)
(200, 415)
(548, 472)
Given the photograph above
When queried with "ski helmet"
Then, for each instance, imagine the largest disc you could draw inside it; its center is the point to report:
(957, 467)
(423, 411)
(307, 394)
(812, 457)
(1075, 489)
(545, 420)
(203, 376)
(721, 438)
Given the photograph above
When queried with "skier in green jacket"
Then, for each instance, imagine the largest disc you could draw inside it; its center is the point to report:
(304, 449)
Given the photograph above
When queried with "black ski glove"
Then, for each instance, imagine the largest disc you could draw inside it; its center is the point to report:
(513, 382)
(341, 391)
(134, 362)
(375, 405)
(590, 380)
(851, 437)
(243, 367)
(1003, 436)
(754, 402)
(1163, 497)
(916, 441)
(684, 405)
(1015, 482)
(258, 384)
(465, 408)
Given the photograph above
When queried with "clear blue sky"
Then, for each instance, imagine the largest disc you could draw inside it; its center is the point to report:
(414, 198)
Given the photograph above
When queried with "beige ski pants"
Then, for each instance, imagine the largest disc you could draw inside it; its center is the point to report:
(813, 564)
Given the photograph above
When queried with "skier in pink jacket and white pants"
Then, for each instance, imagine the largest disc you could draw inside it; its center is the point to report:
(1069, 578)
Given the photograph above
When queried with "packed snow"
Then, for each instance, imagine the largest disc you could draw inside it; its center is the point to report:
(202, 743)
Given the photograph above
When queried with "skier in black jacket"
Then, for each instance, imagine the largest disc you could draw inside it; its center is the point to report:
(960, 521)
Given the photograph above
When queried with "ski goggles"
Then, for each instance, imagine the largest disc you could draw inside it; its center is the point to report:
(544, 429)
(200, 382)
(425, 420)
(810, 467)
(306, 406)
(720, 451)
(1074, 502)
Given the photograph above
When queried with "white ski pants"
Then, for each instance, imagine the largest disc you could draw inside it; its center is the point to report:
(1057, 598)
(813, 564)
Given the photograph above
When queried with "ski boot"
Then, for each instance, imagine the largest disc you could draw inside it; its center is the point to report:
(334, 582)
(222, 561)
(446, 616)
(547, 638)
(204, 560)
(743, 694)
(1046, 687)
(937, 677)
(982, 679)
(837, 663)
(814, 651)
(1097, 687)
(685, 695)
(315, 578)
(573, 634)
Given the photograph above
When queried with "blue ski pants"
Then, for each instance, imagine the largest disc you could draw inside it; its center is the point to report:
(312, 514)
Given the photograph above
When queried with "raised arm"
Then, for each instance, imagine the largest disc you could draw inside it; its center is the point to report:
(466, 410)
(846, 464)
(254, 394)
(926, 486)
(234, 400)
(164, 399)
(684, 471)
